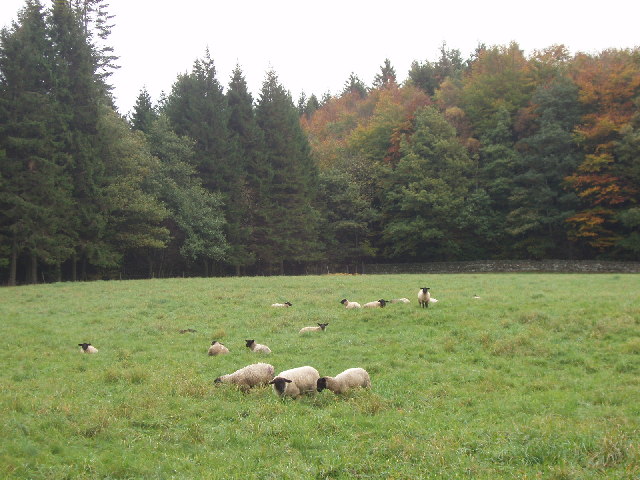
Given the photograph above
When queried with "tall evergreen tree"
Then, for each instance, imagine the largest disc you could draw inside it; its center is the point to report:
(78, 95)
(286, 222)
(386, 77)
(355, 85)
(144, 113)
(35, 193)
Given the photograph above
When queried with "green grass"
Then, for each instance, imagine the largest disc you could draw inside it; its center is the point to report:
(539, 378)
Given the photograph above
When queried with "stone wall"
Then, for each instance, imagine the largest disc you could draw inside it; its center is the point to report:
(495, 266)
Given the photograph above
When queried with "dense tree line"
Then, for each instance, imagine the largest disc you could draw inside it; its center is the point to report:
(496, 156)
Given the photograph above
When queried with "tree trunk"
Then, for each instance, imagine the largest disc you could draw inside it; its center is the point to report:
(33, 273)
(206, 267)
(14, 263)
(74, 267)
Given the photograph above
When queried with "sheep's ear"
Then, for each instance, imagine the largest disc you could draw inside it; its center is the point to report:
(287, 380)
(272, 381)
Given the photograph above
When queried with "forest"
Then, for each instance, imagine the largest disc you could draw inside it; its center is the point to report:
(498, 156)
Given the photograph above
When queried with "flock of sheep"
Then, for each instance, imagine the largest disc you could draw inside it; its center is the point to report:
(301, 380)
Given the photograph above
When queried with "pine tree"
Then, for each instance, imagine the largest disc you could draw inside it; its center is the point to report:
(35, 194)
(144, 113)
(386, 77)
(286, 226)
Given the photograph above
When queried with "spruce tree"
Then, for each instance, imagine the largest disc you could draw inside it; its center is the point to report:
(144, 113)
(287, 222)
(35, 194)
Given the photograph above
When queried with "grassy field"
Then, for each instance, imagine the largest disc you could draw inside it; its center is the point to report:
(538, 378)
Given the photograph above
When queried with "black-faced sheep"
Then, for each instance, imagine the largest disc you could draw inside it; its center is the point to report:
(295, 382)
(257, 347)
(217, 348)
(87, 348)
(350, 378)
(348, 304)
(249, 376)
(423, 297)
(320, 327)
(285, 304)
(378, 304)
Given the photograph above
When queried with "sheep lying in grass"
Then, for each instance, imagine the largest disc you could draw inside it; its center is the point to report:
(348, 304)
(285, 304)
(249, 376)
(87, 348)
(378, 304)
(350, 378)
(217, 348)
(295, 382)
(400, 300)
(320, 327)
(257, 347)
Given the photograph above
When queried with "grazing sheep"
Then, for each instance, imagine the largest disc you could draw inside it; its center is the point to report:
(295, 382)
(320, 327)
(285, 304)
(348, 304)
(217, 348)
(380, 303)
(400, 300)
(257, 347)
(87, 348)
(249, 376)
(350, 378)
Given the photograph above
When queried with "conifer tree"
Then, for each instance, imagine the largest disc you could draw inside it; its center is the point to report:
(35, 195)
(286, 221)
(144, 113)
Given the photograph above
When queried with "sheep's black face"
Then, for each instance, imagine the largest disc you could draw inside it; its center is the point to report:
(289, 304)
(343, 301)
(84, 345)
(218, 380)
(382, 302)
(323, 325)
(250, 342)
(280, 384)
(321, 384)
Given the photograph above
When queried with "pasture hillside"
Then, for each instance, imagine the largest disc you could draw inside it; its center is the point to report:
(537, 378)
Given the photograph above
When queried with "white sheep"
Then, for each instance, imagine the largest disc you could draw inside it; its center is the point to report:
(423, 297)
(400, 300)
(285, 304)
(348, 304)
(350, 378)
(320, 327)
(295, 382)
(87, 348)
(257, 347)
(249, 376)
(217, 348)
(380, 303)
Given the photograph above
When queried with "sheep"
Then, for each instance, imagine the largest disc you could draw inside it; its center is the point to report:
(380, 303)
(424, 297)
(285, 304)
(249, 376)
(295, 382)
(257, 347)
(348, 304)
(400, 300)
(350, 378)
(87, 348)
(320, 327)
(217, 348)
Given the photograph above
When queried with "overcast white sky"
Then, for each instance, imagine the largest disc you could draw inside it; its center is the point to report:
(314, 46)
